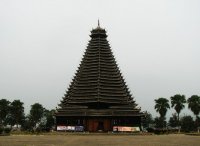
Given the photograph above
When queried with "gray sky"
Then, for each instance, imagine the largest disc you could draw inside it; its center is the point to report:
(155, 42)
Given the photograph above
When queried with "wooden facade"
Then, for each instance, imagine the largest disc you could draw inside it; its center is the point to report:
(98, 97)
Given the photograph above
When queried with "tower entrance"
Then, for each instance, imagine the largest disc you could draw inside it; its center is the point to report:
(98, 125)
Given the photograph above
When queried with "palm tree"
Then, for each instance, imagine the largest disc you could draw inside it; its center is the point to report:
(194, 104)
(177, 102)
(162, 104)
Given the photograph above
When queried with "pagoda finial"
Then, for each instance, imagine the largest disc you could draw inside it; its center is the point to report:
(98, 23)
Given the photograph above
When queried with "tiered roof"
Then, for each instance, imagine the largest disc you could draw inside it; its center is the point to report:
(98, 88)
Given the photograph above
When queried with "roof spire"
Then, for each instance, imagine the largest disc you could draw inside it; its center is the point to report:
(98, 23)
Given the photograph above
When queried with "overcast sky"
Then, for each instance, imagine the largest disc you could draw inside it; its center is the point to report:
(156, 44)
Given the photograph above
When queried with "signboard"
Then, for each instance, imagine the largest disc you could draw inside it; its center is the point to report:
(61, 128)
(125, 129)
(70, 128)
(79, 128)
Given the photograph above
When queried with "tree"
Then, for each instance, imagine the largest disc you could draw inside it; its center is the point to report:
(27, 124)
(173, 121)
(50, 119)
(187, 124)
(178, 102)
(148, 120)
(194, 104)
(47, 121)
(4, 110)
(197, 121)
(160, 122)
(36, 113)
(17, 111)
(161, 106)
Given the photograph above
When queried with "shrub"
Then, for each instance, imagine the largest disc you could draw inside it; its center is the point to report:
(150, 129)
(7, 130)
(160, 122)
(160, 131)
(187, 124)
(1, 130)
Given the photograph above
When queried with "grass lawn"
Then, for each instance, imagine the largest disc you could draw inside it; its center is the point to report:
(100, 140)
